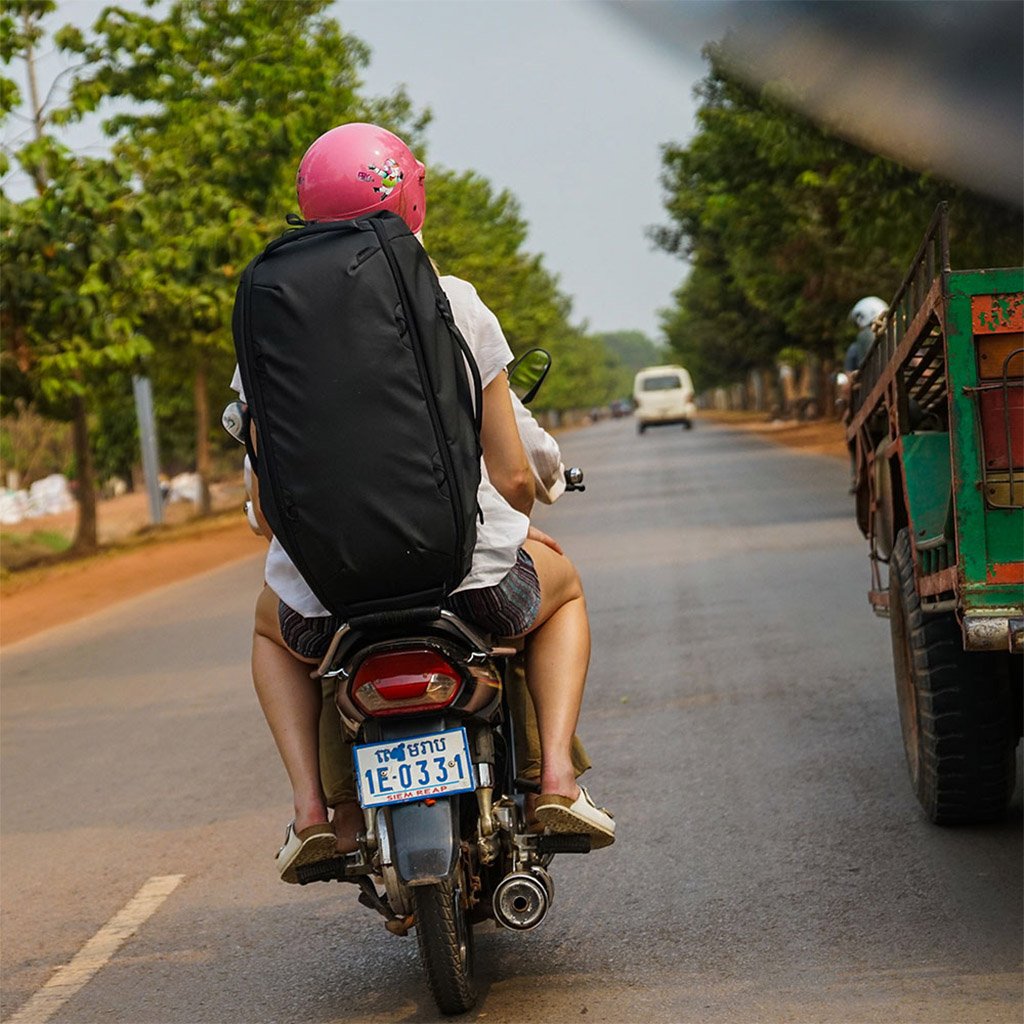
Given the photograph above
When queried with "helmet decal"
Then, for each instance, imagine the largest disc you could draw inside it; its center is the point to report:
(390, 176)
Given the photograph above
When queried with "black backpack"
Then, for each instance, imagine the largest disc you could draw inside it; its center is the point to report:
(368, 430)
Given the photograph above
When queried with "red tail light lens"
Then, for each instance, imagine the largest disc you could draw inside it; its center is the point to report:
(402, 682)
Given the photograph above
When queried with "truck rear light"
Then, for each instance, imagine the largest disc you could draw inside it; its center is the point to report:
(1000, 397)
(404, 682)
(1002, 426)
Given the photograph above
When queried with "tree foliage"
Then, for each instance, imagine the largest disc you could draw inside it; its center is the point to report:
(632, 348)
(68, 312)
(477, 234)
(130, 264)
(226, 94)
(786, 226)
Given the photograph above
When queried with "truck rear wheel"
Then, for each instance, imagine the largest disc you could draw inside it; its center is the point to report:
(956, 707)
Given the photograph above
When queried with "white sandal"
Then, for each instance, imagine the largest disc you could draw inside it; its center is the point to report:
(581, 816)
(312, 844)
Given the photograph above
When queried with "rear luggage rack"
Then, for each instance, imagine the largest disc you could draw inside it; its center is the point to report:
(432, 620)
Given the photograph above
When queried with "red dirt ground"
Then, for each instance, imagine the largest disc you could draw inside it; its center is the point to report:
(36, 599)
(137, 558)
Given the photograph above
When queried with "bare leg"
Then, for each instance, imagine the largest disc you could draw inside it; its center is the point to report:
(557, 657)
(291, 702)
(348, 822)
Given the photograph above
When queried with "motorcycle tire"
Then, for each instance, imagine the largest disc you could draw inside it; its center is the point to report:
(956, 707)
(445, 938)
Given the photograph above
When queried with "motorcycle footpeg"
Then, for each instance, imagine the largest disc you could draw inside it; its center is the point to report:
(334, 869)
(563, 843)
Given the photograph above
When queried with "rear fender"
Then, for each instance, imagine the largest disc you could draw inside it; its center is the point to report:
(424, 840)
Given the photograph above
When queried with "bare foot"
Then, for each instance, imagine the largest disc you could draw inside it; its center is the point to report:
(312, 813)
(348, 823)
(561, 782)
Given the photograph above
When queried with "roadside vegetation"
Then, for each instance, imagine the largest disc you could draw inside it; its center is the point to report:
(23, 550)
(128, 264)
(785, 226)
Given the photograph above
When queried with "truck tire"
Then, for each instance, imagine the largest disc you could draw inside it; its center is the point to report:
(956, 707)
(445, 938)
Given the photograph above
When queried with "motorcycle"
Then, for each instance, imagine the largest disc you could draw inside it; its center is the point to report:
(422, 696)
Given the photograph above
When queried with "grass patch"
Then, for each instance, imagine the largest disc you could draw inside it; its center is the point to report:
(21, 550)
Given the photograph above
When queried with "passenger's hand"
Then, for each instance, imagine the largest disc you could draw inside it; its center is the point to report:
(543, 538)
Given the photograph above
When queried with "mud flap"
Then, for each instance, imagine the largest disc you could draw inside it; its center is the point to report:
(424, 840)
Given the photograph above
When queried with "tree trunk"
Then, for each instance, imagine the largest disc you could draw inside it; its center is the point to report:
(770, 386)
(40, 173)
(828, 389)
(202, 403)
(86, 535)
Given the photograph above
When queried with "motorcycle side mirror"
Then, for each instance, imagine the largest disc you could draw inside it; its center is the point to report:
(528, 373)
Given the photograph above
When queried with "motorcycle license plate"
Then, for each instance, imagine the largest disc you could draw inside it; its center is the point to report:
(416, 768)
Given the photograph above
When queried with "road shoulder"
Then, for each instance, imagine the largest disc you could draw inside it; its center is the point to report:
(41, 599)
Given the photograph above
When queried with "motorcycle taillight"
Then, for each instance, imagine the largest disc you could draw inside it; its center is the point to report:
(404, 682)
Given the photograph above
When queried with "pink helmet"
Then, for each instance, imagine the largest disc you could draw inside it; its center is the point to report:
(356, 169)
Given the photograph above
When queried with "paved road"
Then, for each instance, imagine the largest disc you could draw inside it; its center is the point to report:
(772, 864)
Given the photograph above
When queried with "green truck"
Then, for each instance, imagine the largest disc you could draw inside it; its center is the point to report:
(936, 428)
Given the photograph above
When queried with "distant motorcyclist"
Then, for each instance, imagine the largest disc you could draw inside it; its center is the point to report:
(863, 316)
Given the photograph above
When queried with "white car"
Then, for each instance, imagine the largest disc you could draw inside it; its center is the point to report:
(663, 395)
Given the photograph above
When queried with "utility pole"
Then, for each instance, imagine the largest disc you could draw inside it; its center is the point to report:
(148, 442)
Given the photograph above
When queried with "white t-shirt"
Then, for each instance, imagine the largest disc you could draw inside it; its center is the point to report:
(503, 529)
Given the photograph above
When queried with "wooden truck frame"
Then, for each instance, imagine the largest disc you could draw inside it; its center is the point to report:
(936, 427)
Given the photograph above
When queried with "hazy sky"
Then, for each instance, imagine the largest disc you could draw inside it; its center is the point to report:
(567, 106)
(563, 103)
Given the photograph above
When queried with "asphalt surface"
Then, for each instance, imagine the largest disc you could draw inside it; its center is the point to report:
(771, 865)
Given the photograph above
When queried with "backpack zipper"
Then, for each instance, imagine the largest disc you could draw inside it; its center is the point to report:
(435, 419)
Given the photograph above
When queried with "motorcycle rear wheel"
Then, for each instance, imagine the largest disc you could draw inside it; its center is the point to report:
(445, 938)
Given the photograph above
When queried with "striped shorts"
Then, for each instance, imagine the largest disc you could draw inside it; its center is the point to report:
(505, 610)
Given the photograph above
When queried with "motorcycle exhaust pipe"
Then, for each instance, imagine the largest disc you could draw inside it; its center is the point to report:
(522, 899)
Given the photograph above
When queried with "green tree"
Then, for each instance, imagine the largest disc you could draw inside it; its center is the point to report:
(478, 234)
(67, 315)
(714, 330)
(232, 91)
(786, 226)
(632, 348)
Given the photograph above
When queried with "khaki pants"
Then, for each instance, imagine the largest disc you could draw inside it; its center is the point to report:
(336, 753)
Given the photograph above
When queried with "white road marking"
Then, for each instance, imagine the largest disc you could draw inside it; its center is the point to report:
(69, 978)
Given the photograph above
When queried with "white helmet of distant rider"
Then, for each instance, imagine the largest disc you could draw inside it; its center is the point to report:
(866, 310)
